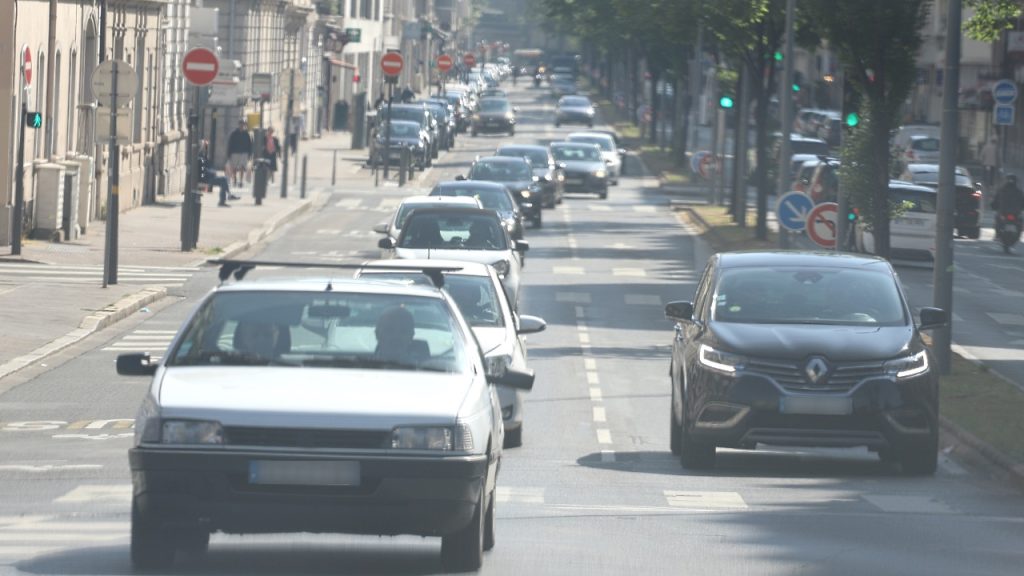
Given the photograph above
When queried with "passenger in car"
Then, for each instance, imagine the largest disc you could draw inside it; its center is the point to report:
(260, 339)
(395, 331)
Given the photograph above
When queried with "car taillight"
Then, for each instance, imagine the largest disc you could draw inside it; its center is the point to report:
(977, 194)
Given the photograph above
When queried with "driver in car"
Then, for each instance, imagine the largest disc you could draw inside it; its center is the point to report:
(258, 339)
(395, 331)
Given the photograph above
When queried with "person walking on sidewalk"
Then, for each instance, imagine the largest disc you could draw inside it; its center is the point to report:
(271, 151)
(239, 153)
(208, 176)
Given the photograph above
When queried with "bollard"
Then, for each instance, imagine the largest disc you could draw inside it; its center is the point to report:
(259, 180)
(411, 165)
(302, 190)
(197, 211)
(402, 163)
(334, 168)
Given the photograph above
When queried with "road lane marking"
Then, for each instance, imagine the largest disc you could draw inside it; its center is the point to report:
(1007, 319)
(908, 504)
(573, 297)
(348, 203)
(522, 495)
(593, 379)
(92, 436)
(47, 467)
(700, 500)
(584, 338)
(589, 364)
(582, 328)
(607, 456)
(329, 232)
(574, 270)
(635, 272)
(600, 208)
(97, 493)
(643, 300)
(604, 436)
(595, 395)
(645, 208)
(599, 415)
(580, 312)
(170, 332)
(116, 423)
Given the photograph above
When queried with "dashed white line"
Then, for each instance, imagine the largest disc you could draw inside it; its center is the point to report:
(645, 208)
(584, 338)
(589, 364)
(607, 456)
(599, 415)
(580, 312)
(522, 495)
(705, 500)
(592, 378)
(596, 395)
(637, 272)
(643, 300)
(573, 297)
(574, 270)
(604, 436)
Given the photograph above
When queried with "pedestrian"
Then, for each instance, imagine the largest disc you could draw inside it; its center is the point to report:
(293, 136)
(239, 153)
(408, 94)
(208, 176)
(271, 151)
(379, 102)
(988, 160)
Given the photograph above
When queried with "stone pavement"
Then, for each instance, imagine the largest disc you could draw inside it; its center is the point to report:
(53, 296)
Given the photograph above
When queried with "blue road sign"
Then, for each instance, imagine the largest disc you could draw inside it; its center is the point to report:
(1004, 115)
(792, 210)
(1004, 92)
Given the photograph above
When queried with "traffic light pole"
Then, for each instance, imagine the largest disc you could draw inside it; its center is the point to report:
(113, 183)
(19, 184)
(843, 222)
(786, 101)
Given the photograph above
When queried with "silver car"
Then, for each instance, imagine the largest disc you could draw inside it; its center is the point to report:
(477, 290)
(317, 405)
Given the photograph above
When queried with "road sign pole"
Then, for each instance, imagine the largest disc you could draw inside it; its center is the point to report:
(188, 236)
(113, 181)
(786, 102)
(387, 127)
(287, 132)
(19, 184)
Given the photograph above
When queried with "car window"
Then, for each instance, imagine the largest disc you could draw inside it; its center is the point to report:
(501, 171)
(539, 158)
(494, 105)
(604, 144)
(808, 147)
(808, 295)
(575, 101)
(569, 153)
(476, 296)
(314, 329)
(914, 200)
(703, 290)
(489, 198)
(403, 212)
(453, 232)
(403, 130)
(925, 144)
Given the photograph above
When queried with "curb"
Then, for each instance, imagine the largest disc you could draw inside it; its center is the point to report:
(1015, 470)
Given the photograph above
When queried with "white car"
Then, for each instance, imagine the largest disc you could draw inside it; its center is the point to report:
(477, 290)
(913, 233)
(393, 225)
(612, 156)
(305, 405)
(462, 233)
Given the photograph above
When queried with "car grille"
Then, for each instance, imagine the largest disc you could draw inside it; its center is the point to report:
(791, 376)
(306, 438)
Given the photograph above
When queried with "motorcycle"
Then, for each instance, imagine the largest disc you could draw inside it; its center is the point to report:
(1008, 229)
(537, 79)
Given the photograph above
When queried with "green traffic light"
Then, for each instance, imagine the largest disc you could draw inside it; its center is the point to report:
(852, 119)
(726, 102)
(796, 87)
(33, 120)
(778, 56)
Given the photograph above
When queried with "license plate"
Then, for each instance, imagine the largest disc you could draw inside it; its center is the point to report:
(816, 405)
(574, 181)
(303, 473)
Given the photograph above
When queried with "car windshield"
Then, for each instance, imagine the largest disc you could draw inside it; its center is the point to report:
(920, 201)
(494, 105)
(538, 157)
(576, 102)
(490, 198)
(404, 129)
(411, 114)
(501, 171)
(317, 329)
(925, 144)
(404, 210)
(475, 295)
(453, 232)
(605, 144)
(569, 153)
(808, 295)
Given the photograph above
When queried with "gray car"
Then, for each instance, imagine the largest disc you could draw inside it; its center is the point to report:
(585, 169)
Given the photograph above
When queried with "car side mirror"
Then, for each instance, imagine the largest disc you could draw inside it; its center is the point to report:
(536, 178)
(515, 109)
(608, 162)
(522, 246)
(679, 311)
(622, 152)
(932, 318)
(561, 165)
(381, 228)
(531, 324)
(512, 378)
(137, 364)
(386, 243)
(460, 177)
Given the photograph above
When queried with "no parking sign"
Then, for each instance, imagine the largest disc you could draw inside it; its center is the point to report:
(822, 223)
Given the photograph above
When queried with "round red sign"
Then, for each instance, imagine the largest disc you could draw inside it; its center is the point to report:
(469, 59)
(821, 224)
(391, 63)
(444, 62)
(200, 66)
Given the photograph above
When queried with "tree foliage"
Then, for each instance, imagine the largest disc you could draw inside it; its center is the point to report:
(991, 17)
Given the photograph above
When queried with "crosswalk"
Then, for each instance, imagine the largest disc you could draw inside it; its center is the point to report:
(22, 273)
(142, 340)
(389, 204)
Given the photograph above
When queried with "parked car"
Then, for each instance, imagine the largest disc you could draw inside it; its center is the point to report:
(797, 349)
(912, 234)
(612, 156)
(477, 290)
(922, 150)
(585, 170)
(574, 110)
(417, 113)
(492, 196)
(403, 134)
(552, 180)
(495, 115)
(317, 405)
(969, 202)
(516, 174)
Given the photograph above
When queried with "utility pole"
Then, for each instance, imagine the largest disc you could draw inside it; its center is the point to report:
(19, 181)
(786, 102)
(942, 279)
(287, 132)
(113, 186)
(696, 75)
(843, 223)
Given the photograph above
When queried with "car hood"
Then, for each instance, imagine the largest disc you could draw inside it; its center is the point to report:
(492, 115)
(798, 341)
(482, 256)
(584, 165)
(490, 337)
(575, 110)
(312, 397)
(518, 185)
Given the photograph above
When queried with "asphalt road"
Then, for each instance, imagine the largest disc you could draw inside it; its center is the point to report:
(594, 488)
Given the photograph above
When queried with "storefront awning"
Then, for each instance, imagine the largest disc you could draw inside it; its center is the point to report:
(343, 64)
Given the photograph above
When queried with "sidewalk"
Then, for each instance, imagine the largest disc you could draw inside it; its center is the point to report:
(53, 296)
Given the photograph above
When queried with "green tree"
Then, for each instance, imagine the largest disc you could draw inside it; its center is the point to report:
(877, 43)
(991, 17)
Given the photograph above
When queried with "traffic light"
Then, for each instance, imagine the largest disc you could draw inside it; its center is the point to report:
(852, 215)
(726, 102)
(851, 106)
(34, 120)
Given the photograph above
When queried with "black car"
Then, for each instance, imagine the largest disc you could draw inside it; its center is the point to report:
(802, 349)
(544, 167)
(496, 115)
(416, 113)
(574, 110)
(516, 173)
(445, 117)
(585, 170)
(492, 195)
(404, 134)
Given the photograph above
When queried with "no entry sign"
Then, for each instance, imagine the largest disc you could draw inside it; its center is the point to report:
(822, 223)
(469, 59)
(444, 62)
(200, 66)
(391, 63)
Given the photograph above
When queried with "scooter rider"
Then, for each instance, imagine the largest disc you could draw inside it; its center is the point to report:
(1009, 198)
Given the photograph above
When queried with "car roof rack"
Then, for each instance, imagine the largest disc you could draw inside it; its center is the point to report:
(239, 268)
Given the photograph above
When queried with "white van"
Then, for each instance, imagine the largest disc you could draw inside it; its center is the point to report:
(913, 233)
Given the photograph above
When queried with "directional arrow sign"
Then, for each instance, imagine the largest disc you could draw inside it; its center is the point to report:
(792, 210)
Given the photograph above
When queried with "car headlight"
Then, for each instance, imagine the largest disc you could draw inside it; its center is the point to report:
(561, 177)
(525, 193)
(501, 267)
(476, 116)
(600, 174)
(718, 360)
(908, 366)
(590, 112)
(510, 226)
(498, 364)
(422, 438)
(191, 432)
(509, 116)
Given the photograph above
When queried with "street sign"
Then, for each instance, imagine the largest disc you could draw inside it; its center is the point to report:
(821, 224)
(391, 63)
(262, 86)
(200, 66)
(444, 62)
(353, 34)
(1004, 92)
(27, 67)
(695, 160)
(708, 166)
(1003, 115)
(102, 82)
(123, 118)
(792, 210)
(469, 59)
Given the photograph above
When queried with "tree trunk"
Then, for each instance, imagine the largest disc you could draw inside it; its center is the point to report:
(879, 126)
(656, 112)
(681, 119)
(761, 177)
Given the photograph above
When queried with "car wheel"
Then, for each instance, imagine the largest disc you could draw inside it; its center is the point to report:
(150, 547)
(694, 455)
(974, 233)
(489, 524)
(603, 194)
(559, 201)
(558, 124)
(463, 551)
(195, 541)
(674, 431)
(473, 133)
(514, 438)
(922, 461)
(537, 221)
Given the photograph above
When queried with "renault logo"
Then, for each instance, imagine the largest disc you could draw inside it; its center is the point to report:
(816, 370)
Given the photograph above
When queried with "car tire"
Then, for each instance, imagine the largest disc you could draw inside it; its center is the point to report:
(463, 551)
(603, 195)
(473, 133)
(514, 438)
(922, 461)
(150, 547)
(537, 220)
(558, 124)
(489, 524)
(974, 233)
(195, 541)
(674, 429)
(694, 455)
